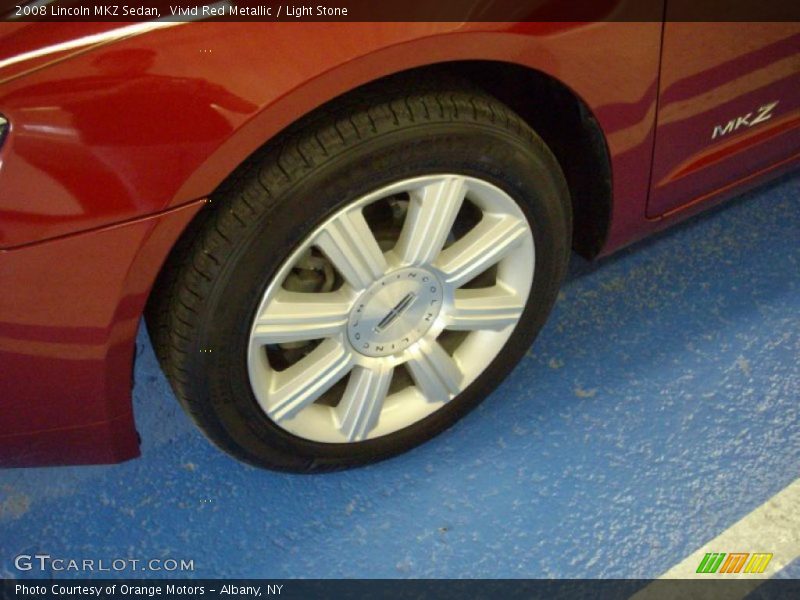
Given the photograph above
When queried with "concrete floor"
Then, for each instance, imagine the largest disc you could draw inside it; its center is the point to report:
(658, 406)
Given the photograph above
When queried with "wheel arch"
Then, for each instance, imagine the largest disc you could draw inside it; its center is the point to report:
(551, 108)
(567, 125)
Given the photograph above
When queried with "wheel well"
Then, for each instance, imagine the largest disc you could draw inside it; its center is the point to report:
(551, 109)
(569, 129)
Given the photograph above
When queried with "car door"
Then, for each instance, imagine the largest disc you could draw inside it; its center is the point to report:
(729, 107)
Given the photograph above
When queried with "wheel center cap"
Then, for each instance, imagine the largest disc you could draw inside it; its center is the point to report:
(395, 311)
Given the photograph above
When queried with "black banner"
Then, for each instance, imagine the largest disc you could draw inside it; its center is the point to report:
(408, 10)
(248, 589)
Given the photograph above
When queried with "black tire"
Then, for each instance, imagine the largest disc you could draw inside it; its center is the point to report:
(212, 284)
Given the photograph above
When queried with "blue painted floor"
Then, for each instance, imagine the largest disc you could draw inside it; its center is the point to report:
(658, 406)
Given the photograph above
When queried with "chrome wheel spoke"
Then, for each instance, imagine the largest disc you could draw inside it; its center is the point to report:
(434, 371)
(295, 316)
(493, 308)
(488, 242)
(361, 404)
(431, 214)
(351, 246)
(301, 384)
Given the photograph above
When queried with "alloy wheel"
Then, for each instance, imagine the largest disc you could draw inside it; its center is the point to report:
(372, 324)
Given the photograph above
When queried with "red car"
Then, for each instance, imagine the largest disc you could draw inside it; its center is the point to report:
(342, 235)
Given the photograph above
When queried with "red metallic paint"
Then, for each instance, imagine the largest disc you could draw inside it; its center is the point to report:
(713, 73)
(96, 130)
(68, 319)
(118, 134)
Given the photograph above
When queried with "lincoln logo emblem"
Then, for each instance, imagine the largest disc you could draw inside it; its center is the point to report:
(395, 313)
